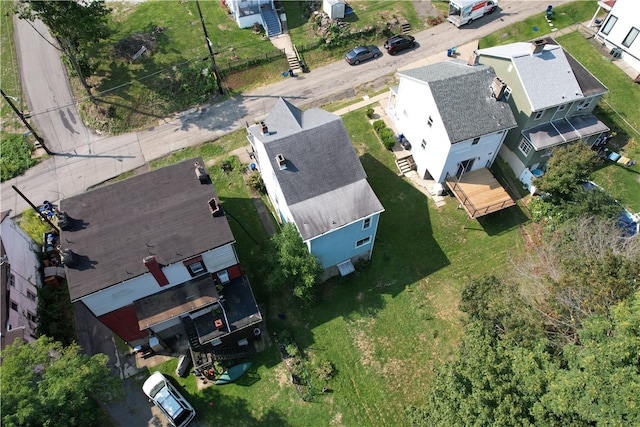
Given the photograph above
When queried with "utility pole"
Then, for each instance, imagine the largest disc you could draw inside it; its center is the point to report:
(26, 123)
(216, 74)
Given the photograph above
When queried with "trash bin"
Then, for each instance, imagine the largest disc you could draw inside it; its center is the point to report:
(449, 52)
(253, 166)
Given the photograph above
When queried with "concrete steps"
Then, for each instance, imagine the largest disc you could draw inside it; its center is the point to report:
(294, 64)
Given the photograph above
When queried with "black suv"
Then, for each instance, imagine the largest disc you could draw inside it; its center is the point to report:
(400, 42)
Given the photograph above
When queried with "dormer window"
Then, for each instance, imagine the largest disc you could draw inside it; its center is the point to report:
(583, 104)
(538, 115)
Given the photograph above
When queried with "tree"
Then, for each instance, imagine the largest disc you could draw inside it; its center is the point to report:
(47, 384)
(75, 24)
(568, 167)
(289, 263)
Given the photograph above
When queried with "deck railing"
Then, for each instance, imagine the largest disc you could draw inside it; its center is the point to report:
(453, 184)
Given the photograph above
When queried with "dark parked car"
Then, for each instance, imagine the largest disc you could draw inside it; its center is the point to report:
(400, 42)
(361, 54)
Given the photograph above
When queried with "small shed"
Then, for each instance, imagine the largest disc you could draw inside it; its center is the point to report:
(334, 8)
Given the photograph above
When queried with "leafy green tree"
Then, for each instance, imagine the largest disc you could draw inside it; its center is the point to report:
(601, 384)
(47, 384)
(567, 167)
(75, 24)
(290, 264)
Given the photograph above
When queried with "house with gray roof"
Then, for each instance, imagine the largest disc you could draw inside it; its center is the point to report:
(453, 115)
(315, 180)
(153, 258)
(552, 97)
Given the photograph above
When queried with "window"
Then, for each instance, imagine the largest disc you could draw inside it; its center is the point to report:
(14, 306)
(31, 296)
(424, 144)
(538, 115)
(363, 242)
(12, 280)
(633, 33)
(562, 107)
(525, 147)
(366, 223)
(609, 25)
(507, 93)
(475, 141)
(195, 266)
(32, 317)
(583, 104)
(430, 121)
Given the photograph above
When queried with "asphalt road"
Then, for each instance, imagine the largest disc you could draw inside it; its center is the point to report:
(88, 159)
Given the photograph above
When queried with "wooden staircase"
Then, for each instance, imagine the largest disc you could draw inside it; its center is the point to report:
(406, 164)
(406, 28)
(294, 64)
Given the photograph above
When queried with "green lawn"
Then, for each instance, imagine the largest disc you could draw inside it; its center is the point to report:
(563, 16)
(619, 110)
(9, 76)
(384, 327)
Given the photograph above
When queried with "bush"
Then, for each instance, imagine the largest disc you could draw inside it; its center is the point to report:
(255, 181)
(16, 156)
(324, 369)
(379, 124)
(388, 140)
(369, 112)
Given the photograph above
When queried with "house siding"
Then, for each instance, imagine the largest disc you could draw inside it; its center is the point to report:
(628, 14)
(338, 246)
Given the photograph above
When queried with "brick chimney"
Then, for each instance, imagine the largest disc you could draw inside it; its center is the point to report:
(537, 46)
(156, 271)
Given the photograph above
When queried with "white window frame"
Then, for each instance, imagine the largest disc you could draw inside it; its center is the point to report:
(366, 223)
(632, 34)
(583, 104)
(525, 147)
(507, 93)
(538, 115)
(611, 21)
(365, 241)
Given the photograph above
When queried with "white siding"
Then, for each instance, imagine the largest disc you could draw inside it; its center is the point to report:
(125, 293)
(268, 177)
(628, 14)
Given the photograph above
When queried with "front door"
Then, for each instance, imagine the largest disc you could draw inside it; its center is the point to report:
(464, 166)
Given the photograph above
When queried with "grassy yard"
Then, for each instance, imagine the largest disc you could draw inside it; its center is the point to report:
(385, 327)
(619, 110)
(9, 76)
(563, 16)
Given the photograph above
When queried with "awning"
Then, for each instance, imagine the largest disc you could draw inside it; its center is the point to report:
(175, 301)
(564, 130)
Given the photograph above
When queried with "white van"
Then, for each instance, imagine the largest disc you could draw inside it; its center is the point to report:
(464, 11)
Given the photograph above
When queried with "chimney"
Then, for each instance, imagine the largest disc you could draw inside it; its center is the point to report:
(497, 88)
(282, 162)
(264, 129)
(201, 173)
(537, 46)
(214, 207)
(154, 268)
(473, 59)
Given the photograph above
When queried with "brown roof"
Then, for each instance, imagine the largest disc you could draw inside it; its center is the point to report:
(164, 213)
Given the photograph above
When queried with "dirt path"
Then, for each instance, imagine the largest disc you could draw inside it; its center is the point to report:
(424, 9)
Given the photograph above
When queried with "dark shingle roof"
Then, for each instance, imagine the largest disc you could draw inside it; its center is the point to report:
(163, 213)
(321, 162)
(463, 96)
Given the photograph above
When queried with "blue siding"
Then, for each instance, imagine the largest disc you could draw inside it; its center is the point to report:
(340, 245)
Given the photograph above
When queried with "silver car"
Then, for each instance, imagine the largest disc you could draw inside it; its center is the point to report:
(178, 411)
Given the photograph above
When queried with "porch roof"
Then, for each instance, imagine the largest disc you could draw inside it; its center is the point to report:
(175, 301)
(479, 193)
(564, 130)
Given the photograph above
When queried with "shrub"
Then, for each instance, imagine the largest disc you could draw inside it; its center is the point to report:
(388, 140)
(379, 124)
(324, 369)
(255, 181)
(16, 156)
(369, 112)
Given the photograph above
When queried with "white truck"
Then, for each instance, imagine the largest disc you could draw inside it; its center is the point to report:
(462, 12)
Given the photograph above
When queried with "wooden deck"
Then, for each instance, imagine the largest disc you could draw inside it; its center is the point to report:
(479, 193)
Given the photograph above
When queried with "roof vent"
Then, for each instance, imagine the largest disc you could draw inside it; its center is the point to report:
(537, 46)
(264, 129)
(497, 88)
(214, 207)
(201, 173)
(282, 162)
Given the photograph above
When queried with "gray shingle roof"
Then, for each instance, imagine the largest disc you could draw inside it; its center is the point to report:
(164, 213)
(550, 78)
(323, 168)
(463, 96)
